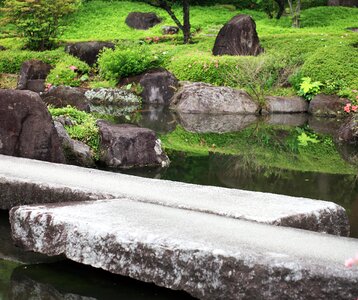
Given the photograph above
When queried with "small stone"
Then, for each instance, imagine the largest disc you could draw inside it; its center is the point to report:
(170, 29)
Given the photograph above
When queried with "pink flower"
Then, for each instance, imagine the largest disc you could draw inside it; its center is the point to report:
(351, 262)
(73, 68)
(347, 108)
(354, 108)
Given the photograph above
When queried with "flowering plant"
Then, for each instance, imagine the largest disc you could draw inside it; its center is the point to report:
(350, 108)
(351, 262)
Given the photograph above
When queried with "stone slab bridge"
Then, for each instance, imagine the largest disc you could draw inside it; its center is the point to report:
(211, 242)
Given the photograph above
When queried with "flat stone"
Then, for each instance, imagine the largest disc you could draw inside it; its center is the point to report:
(208, 256)
(286, 105)
(24, 181)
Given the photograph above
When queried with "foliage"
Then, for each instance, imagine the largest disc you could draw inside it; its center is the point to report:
(120, 63)
(11, 60)
(309, 89)
(70, 71)
(333, 64)
(84, 126)
(38, 21)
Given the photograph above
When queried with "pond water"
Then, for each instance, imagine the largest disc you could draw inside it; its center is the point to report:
(283, 154)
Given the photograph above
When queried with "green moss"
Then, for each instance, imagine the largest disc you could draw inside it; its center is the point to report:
(275, 147)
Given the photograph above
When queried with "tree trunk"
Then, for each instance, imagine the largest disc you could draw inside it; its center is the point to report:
(186, 17)
(281, 8)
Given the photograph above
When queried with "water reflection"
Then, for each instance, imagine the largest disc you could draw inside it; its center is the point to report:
(68, 280)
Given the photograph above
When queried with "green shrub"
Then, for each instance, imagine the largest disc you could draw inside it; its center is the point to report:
(120, 63)
(309, 89)
(332, 64)
(70, 71)
(38, 21)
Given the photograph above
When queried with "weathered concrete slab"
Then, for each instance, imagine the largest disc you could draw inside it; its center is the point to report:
(209, 256)
(24, 181)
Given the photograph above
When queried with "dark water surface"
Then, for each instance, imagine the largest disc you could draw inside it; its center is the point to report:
(42, 278)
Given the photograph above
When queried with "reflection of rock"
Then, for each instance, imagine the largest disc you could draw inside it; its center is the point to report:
(158, 118)
(215, 123)
(286, 119)
(325, 125)
(348, 152)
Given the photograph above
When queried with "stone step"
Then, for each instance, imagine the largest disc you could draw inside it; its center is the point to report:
(208, 256)
(25, 181)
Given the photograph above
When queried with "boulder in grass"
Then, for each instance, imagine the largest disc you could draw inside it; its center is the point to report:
(327, 106)
(26, 127)
(144, 21)
(238, 37)
(349, 3)
(276, 104)
(126, 146)
(205, 98)
(63, 96)
(33, 74)
(88, 51)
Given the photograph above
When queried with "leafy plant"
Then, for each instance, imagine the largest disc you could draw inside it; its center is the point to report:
(120, 63)
(309, 89)
(39, 21)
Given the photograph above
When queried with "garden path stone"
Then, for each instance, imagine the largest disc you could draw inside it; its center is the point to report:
(24, 181)
(208, 256)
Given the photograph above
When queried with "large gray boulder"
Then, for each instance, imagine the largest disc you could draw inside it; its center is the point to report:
(87, 51)
(238, 37)
(126, 146)
(327, 106)
(104, 96)
(33, 74)
(141, 20)
(76, 152)
(62, 96)
(348, 133)
(275, 104)
(205, 98)
(26, 127)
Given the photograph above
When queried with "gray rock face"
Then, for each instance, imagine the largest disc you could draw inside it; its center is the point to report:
(62, 96)
(140, 20)
(327, 106)
(26, 181)
(26, 127)
(87, 51)
(204, 98)
(126, 146)
(76, 152)
(350, 3)
(204, 123)
(158, 86)
(32, 75)
(286, 105)
(111, 97)
(348, 133)
(208, 256)
(238, 37)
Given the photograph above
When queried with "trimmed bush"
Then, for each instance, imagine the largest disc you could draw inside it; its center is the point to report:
(120, 63)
